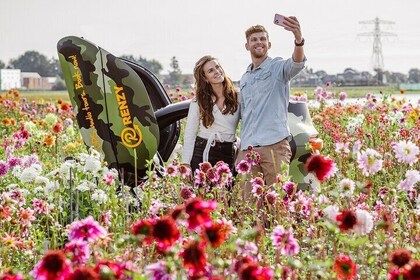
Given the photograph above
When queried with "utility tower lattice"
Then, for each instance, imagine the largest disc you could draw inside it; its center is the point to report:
(377, 57)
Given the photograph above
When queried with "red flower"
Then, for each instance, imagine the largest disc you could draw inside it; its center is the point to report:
(194, 256)
(345, 267)
(252, 271)
(10, 275)
(323, 167)
(242, 261)
(199, 213)
(85, 273)
(215, 234)
(398, 274)
(144, 228)
(400, 257)
(346, 220)
(166, 232)
(52, 266)
(414, 272)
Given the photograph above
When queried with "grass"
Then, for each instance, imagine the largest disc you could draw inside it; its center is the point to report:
(352, 92)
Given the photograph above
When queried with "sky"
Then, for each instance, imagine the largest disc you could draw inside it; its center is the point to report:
(190, 29)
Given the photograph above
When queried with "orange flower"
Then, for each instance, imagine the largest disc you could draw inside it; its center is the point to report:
(6, 121)
(402, 91)
(315, 144)
(57, 128)
(49, 140)
(65, 106)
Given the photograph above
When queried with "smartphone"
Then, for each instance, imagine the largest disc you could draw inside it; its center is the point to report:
(278, 19)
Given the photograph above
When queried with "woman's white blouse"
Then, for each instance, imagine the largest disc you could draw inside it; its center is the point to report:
(223, 129)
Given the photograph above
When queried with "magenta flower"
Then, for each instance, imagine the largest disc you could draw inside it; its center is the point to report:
(243, 167)
(4, 167)
(342, 95)
(87, 230)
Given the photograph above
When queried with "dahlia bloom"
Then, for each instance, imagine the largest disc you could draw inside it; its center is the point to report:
(243, 167)
(165, 232)
(346, 220)
(406, 152)
(194, 256)
(158, 271)
(345, 267)
(87, 230)
(370, 161)
(52, 266)
(284, 241)
(364, 222)
(199, 212)
(322, 167)
(144, 228)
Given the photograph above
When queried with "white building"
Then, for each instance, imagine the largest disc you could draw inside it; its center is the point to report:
(9, 78)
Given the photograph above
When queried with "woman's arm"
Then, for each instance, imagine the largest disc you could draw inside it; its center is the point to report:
(190, 132)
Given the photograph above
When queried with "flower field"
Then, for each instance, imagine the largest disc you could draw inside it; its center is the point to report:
(65, 215)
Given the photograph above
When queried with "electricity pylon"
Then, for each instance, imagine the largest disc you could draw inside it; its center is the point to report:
(377, 57)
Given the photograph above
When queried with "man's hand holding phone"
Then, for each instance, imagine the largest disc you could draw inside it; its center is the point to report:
(279, 20)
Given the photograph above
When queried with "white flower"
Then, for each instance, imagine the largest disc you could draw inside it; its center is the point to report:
(331, 212)
(41, 180)
(406, 152)
(347, 187)
(100, 196)
(29, 174)
(50, 119)
(85, 186)
(92, 165)
(364, 222)
(51, 187)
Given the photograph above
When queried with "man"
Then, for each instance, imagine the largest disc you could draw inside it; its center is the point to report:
(265, 99)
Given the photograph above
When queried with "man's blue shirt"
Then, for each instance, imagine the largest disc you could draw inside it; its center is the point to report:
(264, 101)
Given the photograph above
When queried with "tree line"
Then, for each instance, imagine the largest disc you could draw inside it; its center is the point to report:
(33, 61)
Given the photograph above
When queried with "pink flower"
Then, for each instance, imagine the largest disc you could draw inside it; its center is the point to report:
(87, 230)
(171, 170)
(322, 167)
(26, 216)
(364, 222)
(40, 206)
(412, 177)
(243, 167)
(406, 152)
(158, 271)
(370, 162)
(79, 251)
(342, 95)
(253, 157)
(284, 241)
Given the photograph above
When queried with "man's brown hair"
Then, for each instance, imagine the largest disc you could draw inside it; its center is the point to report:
(255, 29)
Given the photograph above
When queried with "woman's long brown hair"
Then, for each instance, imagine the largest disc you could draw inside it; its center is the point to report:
(204, 93)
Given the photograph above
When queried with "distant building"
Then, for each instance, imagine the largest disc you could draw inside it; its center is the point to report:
(31, 80)
(10, 78)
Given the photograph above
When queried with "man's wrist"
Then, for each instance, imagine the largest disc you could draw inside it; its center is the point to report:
(299, 43)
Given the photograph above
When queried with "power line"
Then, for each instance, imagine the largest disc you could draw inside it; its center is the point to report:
(377, 57)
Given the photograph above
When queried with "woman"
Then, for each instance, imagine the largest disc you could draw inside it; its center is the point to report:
(212, 118)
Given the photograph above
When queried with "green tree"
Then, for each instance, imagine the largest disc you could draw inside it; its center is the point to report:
(2, 65)
(152, 65)
(414, 75)
(33, 61)
(175, 76)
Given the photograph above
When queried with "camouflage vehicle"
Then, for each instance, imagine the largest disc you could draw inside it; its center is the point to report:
(124, 112)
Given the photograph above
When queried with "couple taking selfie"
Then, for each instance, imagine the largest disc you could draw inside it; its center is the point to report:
(261, 104)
